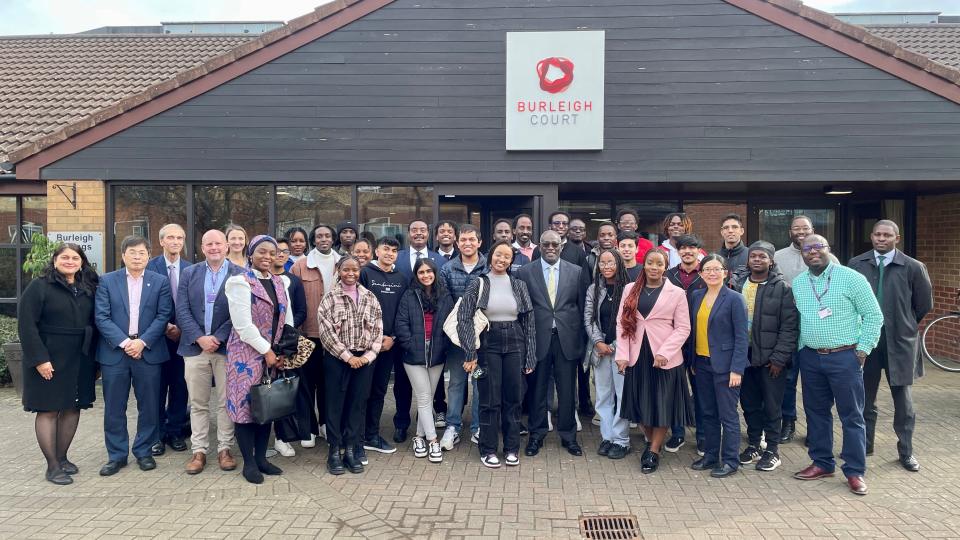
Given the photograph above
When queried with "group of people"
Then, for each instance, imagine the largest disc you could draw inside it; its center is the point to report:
(675, 338)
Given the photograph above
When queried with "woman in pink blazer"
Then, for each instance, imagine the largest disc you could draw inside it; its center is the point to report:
(652, 325)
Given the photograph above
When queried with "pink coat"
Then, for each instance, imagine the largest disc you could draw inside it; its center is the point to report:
(667, 327)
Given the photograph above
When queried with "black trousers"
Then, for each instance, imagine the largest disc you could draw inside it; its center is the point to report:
(313, 378)
(373, 408)
(501, 355)
(345, 391)
(174, 412)
(904, 417)
(402, 391)
(761, 397)
(583, 390)
(440, 399)
(565, 373)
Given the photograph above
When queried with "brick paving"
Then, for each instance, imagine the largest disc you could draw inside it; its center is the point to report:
(400, 496)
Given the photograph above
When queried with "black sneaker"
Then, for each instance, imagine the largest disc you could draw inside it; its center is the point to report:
(604, 448)
(674, 444)
(618, 452)
(377, 444)
(768, 462)
(749, 455)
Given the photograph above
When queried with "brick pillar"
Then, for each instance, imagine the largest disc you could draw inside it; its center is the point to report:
(89, 216)
(938, 246)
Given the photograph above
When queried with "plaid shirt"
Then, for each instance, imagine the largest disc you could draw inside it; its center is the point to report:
(855, 317)
(348, 326)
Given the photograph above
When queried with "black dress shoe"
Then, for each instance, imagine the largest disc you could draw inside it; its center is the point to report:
(335, 463)
(869, 448)
(400, 435)
(533, 447)
(178, 444)
(910, 463)
(703, 464)
(604, 448)
(649, 463)
(351, 462)
(111, 468)
(146, 463)
(788, 430)
(59, 477)
(158, 448)
(722, 471)
(68, 467)
(572, 447)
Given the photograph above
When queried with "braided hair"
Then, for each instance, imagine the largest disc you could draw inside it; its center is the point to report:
(620, 280)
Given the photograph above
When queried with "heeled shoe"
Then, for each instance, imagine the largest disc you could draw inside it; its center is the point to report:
(59, 477)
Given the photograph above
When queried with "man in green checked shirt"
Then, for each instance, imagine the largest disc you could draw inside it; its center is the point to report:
(840, 322)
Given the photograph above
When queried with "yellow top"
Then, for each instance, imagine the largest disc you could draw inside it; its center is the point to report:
(703, 317)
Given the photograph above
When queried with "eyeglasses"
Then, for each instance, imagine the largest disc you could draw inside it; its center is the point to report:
(549, 244)
(814, 247)
(284, 251)
(711, 271)
(607, 264)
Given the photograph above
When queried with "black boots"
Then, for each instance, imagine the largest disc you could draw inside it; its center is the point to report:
(351, 461)
(334, 463)
(788, 430)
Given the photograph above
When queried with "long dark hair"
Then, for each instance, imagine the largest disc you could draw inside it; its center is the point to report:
(620, 280)
(429, 296)
(85, 280)
(628, 321)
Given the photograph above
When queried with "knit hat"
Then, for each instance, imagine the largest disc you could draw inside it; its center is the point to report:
(762, 245)
(259, 239)
(343, 225)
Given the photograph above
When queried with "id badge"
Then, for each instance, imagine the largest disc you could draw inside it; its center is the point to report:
(211, 298)
(825, 312)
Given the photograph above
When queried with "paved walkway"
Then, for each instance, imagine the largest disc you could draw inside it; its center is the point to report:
(403, 497)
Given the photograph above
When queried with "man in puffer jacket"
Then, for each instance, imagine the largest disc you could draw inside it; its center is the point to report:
(773, 324)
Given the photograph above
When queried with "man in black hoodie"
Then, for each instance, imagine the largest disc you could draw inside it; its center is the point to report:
(773, 323)
(383, 280)
(733, 250)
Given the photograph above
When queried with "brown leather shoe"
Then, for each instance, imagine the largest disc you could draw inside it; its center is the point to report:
(227, 463)
(197, 463)
(812, 473)
(857, 485)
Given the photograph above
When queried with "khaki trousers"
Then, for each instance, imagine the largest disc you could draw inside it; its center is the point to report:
(198, 370)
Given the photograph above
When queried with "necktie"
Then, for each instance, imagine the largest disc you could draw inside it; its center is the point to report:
(552, 286)
(419, 255)
(447, 256)
(172, 274)
(881, 263)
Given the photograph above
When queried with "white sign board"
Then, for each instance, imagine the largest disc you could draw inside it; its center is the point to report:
(555, 90)
(90, 242)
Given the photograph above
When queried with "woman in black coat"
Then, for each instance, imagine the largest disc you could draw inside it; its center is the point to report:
(419, 328)
(55, 322)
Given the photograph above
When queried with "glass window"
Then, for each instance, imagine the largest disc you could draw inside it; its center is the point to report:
(707, 218)
(34, 216)
(215, 207)
(387, 210)
(650, 214)
(306, 206)
(8, 272)
(8, 221)
(774, 224)
(142, 210)
(593, 213)
(8, 309)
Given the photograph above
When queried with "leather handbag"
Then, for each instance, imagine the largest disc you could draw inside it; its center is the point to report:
(480, 322)
(273, 399)
(293, 347)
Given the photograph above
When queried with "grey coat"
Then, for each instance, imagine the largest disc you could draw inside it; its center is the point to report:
(907, 298)
(592, 326)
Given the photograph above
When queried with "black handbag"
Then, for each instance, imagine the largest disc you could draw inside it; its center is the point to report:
(288, 342)
(273, 399)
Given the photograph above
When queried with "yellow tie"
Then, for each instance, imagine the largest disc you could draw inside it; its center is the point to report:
(552, 287)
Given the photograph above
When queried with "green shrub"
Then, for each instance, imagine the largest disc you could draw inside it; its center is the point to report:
(8, 333)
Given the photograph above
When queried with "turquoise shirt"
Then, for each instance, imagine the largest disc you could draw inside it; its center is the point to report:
(855, 317)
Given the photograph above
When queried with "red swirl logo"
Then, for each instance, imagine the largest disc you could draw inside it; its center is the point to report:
(558, 85)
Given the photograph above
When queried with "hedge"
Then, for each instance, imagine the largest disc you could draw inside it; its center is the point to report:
(8, 333)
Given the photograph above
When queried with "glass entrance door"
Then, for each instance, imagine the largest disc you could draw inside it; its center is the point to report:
(481, 205)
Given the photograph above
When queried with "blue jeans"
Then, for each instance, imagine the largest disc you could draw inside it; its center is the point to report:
(789, 409)
(609, 385)
(829, 378)
(457, 393)
(721, 422)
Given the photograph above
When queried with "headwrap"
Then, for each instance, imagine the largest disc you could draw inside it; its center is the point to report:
(259, 239)
(762, 245)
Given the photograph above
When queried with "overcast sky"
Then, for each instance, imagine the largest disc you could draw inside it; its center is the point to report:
(69, 16)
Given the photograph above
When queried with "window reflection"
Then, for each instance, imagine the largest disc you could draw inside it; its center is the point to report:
(215, 207)
(8, 221)
(306, 206)
(34, 216)
(8, 272)
(593, 213)
(650, 216)
(388, 210)
(774, 224)
(142, 210)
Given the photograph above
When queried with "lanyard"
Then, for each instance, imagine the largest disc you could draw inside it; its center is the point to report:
(214, 279)
(826, 289)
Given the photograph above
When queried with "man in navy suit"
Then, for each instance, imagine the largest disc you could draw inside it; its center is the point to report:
(204, 319)
(133, 306)
(174, 417)
(417, 235)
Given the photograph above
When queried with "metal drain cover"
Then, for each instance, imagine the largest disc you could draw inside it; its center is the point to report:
(610, 527)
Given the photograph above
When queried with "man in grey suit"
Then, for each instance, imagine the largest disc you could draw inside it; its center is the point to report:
(905, 295)
(204, 319)
(557, 289)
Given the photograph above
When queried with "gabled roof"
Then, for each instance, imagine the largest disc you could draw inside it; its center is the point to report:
(940, 42)
(50, 82)
(855, 41)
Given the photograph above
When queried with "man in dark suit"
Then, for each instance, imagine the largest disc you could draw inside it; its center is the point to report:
(174, 417)
(559, 222)
(133, 306)
(905, 294)
(417, 235)
(557, 289)
(204, 328)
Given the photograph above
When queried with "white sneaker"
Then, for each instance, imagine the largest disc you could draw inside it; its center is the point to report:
(435, 453)
(309, 443)
(284, 449)
(440, 420)
(596, 420)
(491, 460)
(323, 431)
(475, 438)
(633, 425)
(450, 438)
(577, 418)
(419, 447)
(512, 460)
(549, 421)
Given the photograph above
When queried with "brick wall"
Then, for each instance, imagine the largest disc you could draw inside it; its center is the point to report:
(707, 218)
(88, 216)
(938, 246)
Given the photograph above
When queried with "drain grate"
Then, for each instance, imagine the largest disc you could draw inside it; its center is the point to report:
(611, 527)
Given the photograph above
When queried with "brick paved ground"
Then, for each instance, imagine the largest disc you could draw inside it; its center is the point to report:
(400, 496)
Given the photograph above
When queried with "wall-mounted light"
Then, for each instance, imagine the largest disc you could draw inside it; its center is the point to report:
(837, 190)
